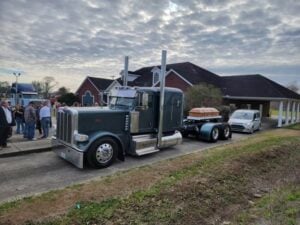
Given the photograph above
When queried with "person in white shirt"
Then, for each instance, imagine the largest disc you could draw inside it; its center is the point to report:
(45, 117)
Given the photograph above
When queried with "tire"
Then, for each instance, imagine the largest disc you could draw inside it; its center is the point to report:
(251, 131)
(214, 134)
(225, 133)
(102, 153)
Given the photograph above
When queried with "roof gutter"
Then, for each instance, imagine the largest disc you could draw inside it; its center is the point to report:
(259, 98)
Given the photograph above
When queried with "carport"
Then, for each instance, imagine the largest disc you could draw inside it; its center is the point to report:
(257, 92)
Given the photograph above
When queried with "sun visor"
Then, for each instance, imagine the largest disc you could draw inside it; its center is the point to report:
(125, 92)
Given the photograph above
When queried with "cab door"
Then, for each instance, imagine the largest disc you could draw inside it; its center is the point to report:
(145, 107)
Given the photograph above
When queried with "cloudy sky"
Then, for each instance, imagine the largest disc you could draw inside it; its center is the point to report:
(70, 39)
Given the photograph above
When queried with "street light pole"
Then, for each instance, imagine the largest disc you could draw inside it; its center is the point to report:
(16, 97)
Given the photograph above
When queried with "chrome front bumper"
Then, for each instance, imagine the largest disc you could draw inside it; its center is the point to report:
(74, 156)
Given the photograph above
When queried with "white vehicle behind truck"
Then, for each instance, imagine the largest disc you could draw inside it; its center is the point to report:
(245, 120)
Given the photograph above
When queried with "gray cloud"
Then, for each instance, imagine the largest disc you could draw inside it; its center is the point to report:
(90, 37)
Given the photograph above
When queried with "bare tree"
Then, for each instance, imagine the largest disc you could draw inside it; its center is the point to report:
(45, 86)
(49, 84)
(293, 87)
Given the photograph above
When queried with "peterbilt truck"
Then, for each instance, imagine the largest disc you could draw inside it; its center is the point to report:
(134, 123)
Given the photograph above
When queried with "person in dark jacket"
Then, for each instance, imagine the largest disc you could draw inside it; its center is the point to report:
(6, 121)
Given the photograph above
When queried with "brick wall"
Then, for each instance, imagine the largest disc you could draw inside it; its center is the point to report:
(173, 80)
(88, 86)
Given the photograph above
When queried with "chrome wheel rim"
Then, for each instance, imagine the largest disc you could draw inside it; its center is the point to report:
(226, 132)
(215, 133)
(104, 153)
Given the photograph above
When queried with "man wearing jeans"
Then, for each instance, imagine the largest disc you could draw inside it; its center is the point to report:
(30, 118)
(45, 117)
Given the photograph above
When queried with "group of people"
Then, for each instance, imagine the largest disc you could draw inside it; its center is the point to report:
(27, 120)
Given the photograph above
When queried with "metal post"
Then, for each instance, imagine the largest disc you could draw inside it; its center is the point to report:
(162, 96)
(125, 75)
(16, 96)
(280, 114)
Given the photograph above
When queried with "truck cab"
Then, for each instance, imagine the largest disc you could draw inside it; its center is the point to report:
(129, 125)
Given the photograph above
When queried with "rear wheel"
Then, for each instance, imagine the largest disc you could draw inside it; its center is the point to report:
(226, 132)
(214, 134)
(102, 153)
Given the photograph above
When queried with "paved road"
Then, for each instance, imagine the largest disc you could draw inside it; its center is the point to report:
(39, 172)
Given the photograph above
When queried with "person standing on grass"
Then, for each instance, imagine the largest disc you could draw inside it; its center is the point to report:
(30, 119)
(6, 121)
(45, 117)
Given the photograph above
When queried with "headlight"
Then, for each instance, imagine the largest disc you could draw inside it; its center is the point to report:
(80, 137)
(248, 124)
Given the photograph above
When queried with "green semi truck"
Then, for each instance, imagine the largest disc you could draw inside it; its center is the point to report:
(130, 125)
(138, 121)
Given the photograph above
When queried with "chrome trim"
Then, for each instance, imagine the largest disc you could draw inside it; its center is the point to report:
(171, 140)
(134, 121)
(104, 153)
(72, 155)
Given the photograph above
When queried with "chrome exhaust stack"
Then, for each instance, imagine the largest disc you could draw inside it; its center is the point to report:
(162, 97)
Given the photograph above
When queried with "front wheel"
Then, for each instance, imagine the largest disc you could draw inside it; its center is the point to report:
(102, 153)
(214, 134)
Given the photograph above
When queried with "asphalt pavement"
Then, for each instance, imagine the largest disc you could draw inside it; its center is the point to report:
(20, 146)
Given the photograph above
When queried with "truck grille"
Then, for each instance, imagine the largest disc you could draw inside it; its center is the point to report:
(64, 126)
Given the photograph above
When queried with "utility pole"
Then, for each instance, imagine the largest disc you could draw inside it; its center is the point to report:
(16, 97)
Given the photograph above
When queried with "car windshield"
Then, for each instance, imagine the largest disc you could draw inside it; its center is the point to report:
(242, 115)
(121, 103)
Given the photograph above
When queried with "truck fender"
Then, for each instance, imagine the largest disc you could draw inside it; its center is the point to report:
(98, 135)
(205, 131)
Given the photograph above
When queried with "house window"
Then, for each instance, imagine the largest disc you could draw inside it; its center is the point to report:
(87, 99)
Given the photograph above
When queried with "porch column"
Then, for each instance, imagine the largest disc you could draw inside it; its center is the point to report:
(293, 114)
(298, 112)
(280, 109)
(261, 110)
(287, 113)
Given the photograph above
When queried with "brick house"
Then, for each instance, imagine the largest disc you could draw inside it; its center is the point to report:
(95, 90)
(252, 91)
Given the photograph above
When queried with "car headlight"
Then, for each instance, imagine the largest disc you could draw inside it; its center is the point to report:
(249, 124)
(80, 137)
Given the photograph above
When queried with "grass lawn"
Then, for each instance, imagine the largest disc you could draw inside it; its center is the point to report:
(254, 181)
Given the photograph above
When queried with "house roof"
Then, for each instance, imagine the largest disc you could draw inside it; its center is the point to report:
(189, 71)
(100, 83)
(254, 85)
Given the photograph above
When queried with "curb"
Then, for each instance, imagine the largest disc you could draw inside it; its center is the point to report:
(25, 152)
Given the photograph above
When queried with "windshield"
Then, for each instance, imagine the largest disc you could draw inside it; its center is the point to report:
(242, 115)
(121, 103)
